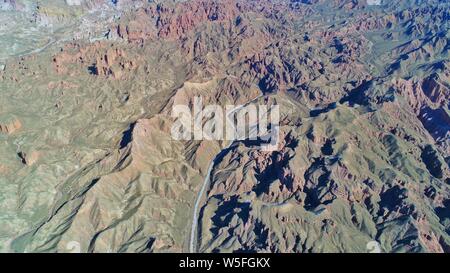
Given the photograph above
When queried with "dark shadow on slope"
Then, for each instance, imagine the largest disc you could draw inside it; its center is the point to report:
(358, 94)
(127, 136)
(436, 121)
(92, 69)
(226, 211)
(444, 212)
(312, 199)
(327, 148)
(393, 200)
(317, 112)
(431, 160)
(260, 241)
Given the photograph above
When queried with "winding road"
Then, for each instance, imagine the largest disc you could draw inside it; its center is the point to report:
(207, 180)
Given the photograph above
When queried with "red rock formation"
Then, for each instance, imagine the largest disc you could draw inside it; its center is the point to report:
(175, 22)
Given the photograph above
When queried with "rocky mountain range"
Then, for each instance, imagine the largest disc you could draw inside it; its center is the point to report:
(86, 153)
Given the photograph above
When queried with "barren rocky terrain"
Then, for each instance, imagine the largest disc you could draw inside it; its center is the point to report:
(86, 153)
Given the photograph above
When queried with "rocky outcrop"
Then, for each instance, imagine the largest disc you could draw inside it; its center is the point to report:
(29, 159)
(10, 125)
(97, 59)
